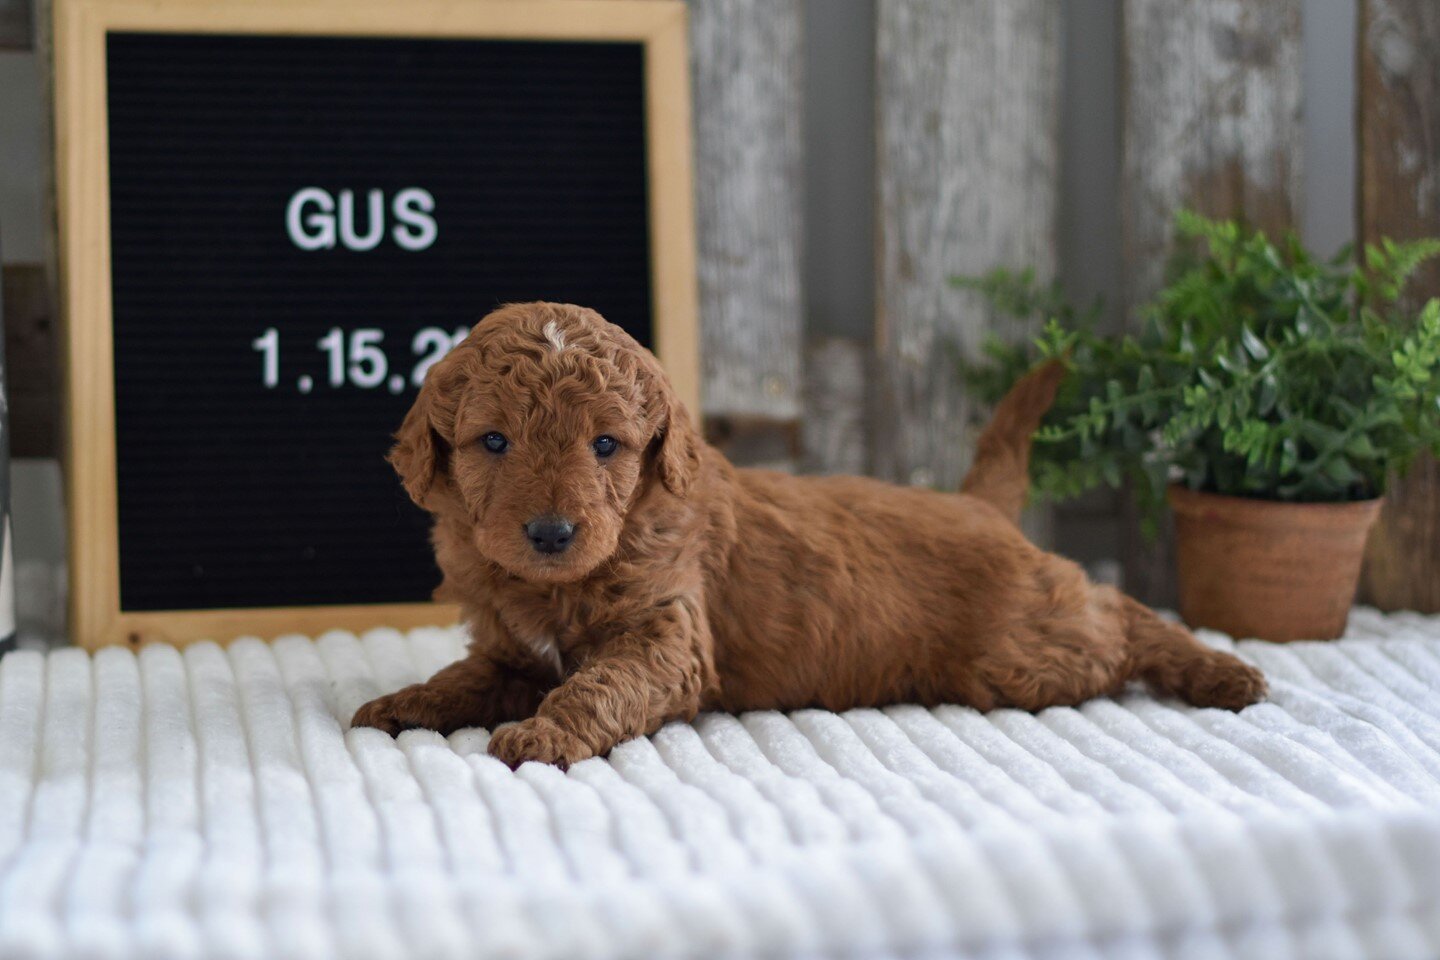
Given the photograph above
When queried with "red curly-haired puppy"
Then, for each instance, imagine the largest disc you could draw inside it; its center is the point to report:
(616, 572)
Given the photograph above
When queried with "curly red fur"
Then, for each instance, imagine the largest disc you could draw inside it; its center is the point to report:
(692, 585)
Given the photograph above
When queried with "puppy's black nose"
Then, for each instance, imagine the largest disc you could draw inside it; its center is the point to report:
(550, 534)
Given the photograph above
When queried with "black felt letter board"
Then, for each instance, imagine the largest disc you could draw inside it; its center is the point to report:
(301, 224)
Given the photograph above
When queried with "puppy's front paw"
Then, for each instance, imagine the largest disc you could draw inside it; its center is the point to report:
(538, 739)
(402, 710)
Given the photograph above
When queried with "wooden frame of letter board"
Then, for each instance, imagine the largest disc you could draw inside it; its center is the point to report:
(82, 148)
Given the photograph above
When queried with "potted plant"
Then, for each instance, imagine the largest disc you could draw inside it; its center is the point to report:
(1268, 396)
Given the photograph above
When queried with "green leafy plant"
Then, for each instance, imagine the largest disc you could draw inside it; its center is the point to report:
(1260, 371)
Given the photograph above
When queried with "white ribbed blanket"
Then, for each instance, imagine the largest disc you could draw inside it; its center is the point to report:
(210, 803)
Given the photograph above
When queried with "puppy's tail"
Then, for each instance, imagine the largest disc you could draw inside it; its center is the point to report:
(1000, 474)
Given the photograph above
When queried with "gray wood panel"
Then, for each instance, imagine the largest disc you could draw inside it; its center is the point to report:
(15, 32)
(747, 70)
(967, 173)
(1399, 166)
(31, 374)
(1211, 120)
(835, 430)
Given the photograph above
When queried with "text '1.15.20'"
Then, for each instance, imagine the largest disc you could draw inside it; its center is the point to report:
(358, 358)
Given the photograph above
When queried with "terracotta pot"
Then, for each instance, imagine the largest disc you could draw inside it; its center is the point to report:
(1266, 569)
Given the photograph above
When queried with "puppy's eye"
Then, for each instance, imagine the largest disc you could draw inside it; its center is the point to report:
(604, 446)
(495, 442)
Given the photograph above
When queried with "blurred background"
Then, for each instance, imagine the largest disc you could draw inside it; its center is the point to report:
(851, 157)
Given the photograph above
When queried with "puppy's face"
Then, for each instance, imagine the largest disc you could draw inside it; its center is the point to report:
(541, 432)
(547, 461)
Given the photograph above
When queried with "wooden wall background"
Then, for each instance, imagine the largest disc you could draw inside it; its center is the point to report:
(967, 169)
(1211, 119)
(1398, 94)
(968, 160)
(747, 66)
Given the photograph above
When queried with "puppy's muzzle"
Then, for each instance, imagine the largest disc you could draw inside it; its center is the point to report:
(550, 534)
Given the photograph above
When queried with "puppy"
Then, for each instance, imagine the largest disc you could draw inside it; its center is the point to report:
(616, 573)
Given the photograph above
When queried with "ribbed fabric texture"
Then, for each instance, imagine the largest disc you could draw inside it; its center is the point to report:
(209, 802)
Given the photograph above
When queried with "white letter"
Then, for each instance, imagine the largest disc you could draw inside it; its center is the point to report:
(323, 223)
(376, 228)
(412, 207)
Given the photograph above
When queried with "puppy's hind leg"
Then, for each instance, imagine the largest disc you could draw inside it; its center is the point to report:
(1170, 659)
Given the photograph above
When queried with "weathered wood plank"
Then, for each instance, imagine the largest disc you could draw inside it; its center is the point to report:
(1211, 93)
(756, 441)
(15, 33)
(747, 77)
(1399, 175)
(7, 549)
(835, 427)
(32, 374)
(47, 302)
(967, 130)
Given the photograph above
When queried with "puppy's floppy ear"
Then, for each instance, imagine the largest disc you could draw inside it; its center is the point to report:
(677, 459)
(419, 452)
